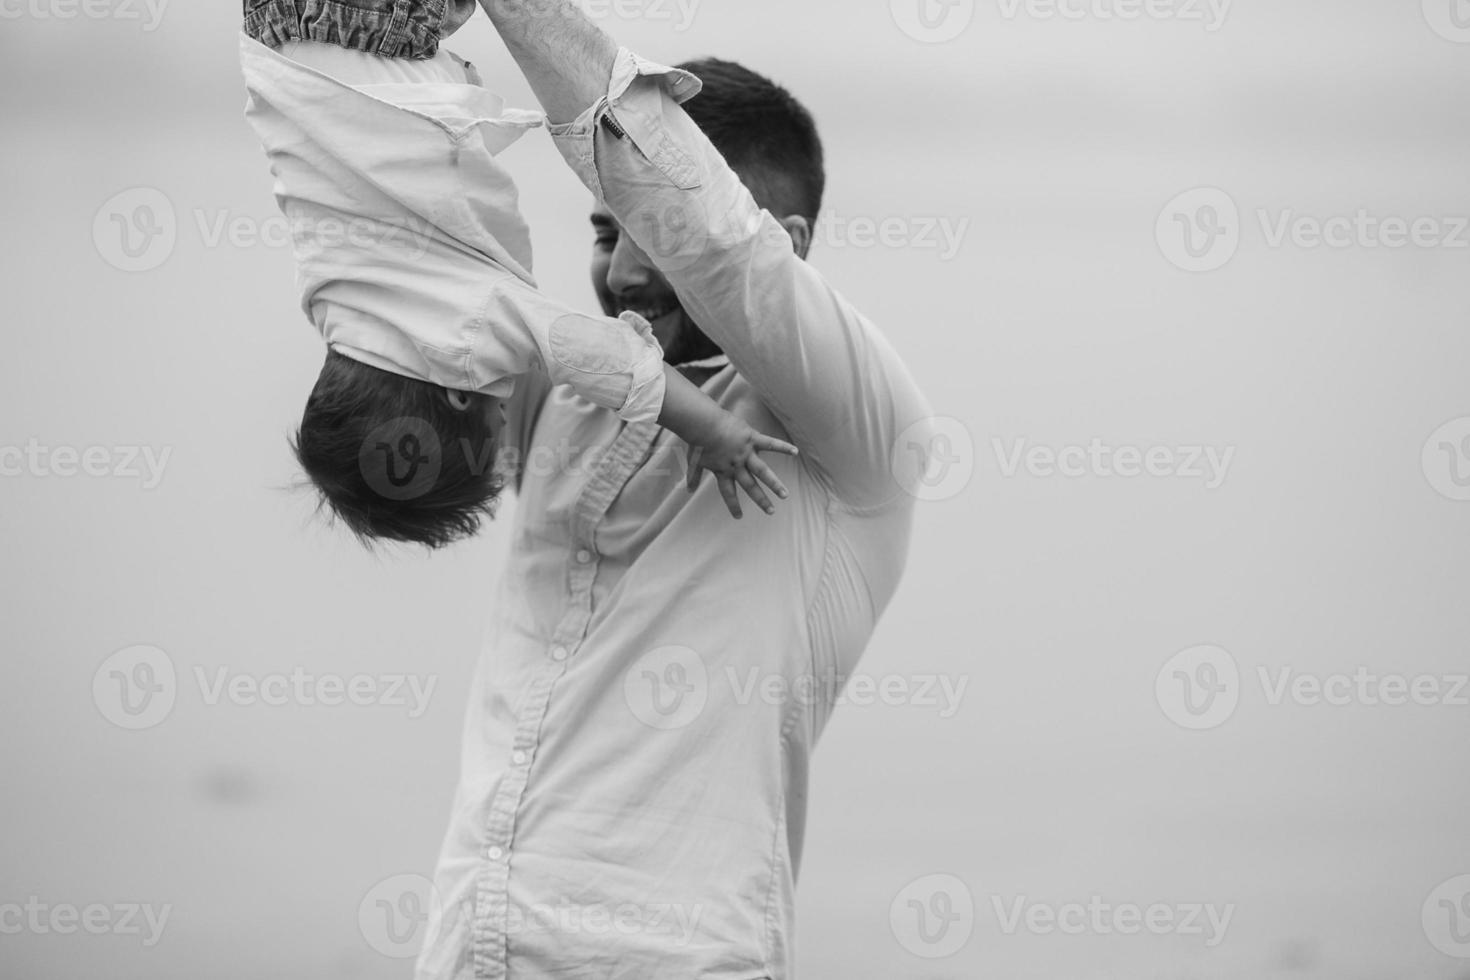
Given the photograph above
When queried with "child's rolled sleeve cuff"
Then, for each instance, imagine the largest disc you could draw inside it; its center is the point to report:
(617, 364)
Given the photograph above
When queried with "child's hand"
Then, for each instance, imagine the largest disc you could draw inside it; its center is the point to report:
(731, 453)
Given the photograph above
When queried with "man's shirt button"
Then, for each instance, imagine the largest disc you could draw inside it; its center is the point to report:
(584, 556)
(495, 853)
(518, 757)
(559, 654)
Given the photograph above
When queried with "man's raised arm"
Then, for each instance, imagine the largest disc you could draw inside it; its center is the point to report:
(566, 58)
(836, 385)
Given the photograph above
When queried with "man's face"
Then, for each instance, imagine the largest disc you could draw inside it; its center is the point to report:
(625, 279)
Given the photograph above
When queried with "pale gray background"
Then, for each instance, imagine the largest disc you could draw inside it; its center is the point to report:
(1060, 320)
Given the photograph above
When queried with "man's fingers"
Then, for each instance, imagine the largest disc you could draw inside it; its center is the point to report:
(754, 492)
(767, 444)
(766, 475)
(732, 497)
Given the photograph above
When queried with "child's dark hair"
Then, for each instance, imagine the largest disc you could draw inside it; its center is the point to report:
(393, 459)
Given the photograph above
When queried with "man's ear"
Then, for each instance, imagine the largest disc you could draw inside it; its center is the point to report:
(800, 231)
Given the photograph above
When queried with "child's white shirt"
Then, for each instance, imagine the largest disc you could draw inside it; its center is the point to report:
(411, 252)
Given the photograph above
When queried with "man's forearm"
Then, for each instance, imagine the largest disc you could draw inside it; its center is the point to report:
(566, 58)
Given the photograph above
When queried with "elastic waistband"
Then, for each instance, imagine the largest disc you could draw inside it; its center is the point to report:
(387, 28)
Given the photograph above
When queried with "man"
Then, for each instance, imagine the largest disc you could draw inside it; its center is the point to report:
(635, 762)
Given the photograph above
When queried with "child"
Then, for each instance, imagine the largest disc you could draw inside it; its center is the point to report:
(414, 263)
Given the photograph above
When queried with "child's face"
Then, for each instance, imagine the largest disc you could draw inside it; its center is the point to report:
(491, 409)
(494, 409)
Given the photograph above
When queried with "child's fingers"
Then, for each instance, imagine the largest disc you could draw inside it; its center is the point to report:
(767, 444)
(696, 474)
(766, 475)
(732, 498)
(754, 492)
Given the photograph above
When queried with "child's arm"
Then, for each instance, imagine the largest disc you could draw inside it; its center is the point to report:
(722, 443)
(619, 365)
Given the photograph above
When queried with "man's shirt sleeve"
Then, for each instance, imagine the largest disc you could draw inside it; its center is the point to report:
(837, 386)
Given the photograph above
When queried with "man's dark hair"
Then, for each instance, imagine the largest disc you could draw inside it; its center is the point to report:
(764, 133)
(393, 459)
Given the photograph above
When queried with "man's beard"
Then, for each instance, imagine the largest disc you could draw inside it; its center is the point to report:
(691, 344)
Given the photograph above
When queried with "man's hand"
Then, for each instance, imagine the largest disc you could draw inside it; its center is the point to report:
(732, 454)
